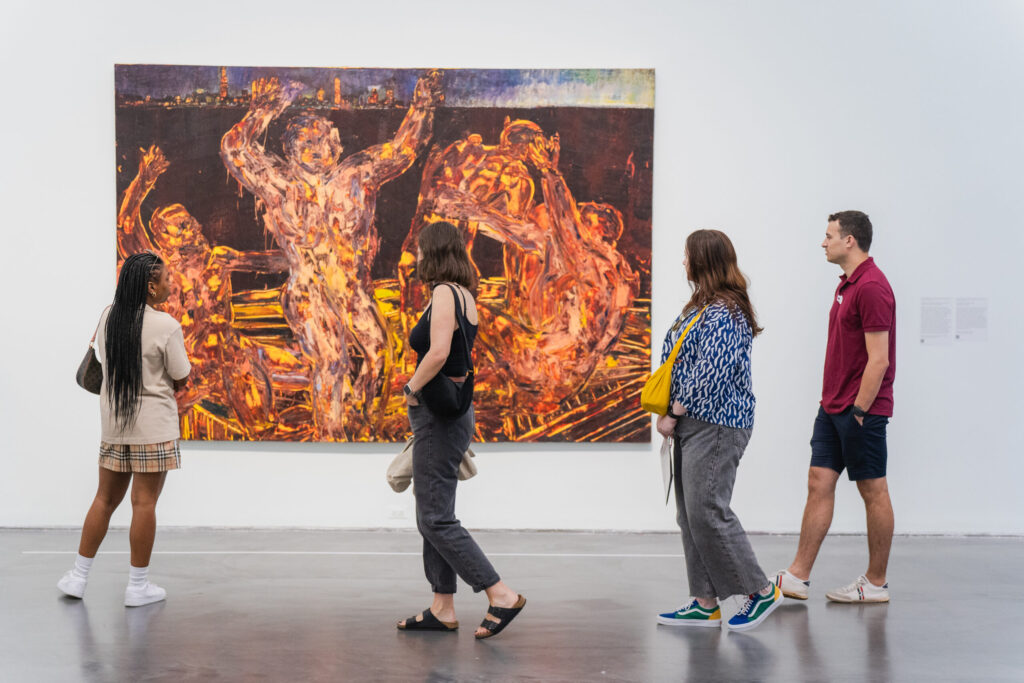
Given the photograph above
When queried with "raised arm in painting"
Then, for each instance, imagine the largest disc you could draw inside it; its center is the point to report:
(258, 170)
(390, 159)
(132, 236)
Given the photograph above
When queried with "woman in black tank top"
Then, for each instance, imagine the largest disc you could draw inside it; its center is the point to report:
(442, 347)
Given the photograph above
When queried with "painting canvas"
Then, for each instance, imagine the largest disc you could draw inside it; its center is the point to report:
(287, 202)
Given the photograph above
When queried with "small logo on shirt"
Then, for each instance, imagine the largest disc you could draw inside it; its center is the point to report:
(839, 298)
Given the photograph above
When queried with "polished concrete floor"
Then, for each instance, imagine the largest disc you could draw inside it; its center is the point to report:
(321, 605)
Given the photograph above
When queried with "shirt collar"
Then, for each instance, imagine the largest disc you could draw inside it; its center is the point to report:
(864, 267)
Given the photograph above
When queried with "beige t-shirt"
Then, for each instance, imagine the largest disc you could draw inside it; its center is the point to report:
(163, 360)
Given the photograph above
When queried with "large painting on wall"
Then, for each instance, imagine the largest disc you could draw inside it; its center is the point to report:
(287, 201)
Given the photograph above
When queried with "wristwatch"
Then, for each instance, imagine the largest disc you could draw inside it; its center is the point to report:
(407, 390)
(675, 416)
(859, 412)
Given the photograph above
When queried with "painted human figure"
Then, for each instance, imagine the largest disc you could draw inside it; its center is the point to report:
(577, 291)
(567, 286)
(320, 209)
(227, 368)
(479, 188)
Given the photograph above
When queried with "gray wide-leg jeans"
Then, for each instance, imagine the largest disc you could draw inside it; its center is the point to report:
(448, 549)
(719, 560)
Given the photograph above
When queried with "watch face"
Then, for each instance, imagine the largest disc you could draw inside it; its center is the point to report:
(406, 390)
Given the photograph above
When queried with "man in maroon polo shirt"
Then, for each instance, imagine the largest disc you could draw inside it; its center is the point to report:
(856, 404)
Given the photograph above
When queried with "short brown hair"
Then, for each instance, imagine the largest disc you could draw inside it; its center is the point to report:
(444, 256)
(854, 223)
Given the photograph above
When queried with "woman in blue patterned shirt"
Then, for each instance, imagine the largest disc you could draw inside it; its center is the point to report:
(710, 420)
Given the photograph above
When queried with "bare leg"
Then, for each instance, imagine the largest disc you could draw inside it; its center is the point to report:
(109, 495)
(499, 595)
(443, 606)
(821, 500)
(145, 492)
(875, 493)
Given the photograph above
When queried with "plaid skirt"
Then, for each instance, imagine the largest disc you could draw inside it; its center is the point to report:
(138, 457)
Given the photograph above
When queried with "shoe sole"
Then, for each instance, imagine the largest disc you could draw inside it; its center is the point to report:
(847, 601)
(755, 624)
(703, 623)
(143, 603)
(77, 595)
(794, 596)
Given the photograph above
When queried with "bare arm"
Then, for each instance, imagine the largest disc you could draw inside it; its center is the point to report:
(456, 204)
(455, 181)
(878, 362)
(561, 205)
(442, 327)
(389, 160)
(132, 236)
(243, 155)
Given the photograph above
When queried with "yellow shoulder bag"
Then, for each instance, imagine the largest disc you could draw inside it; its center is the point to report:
(657, 391)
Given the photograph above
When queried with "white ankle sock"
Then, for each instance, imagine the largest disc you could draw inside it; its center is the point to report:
(82, 566)
(137, 576)
(767, 590)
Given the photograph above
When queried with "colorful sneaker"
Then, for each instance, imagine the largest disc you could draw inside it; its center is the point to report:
(71, 585)
(860, 590)
(693, 614)
(137, 596)
(755, 609)
(791, 586)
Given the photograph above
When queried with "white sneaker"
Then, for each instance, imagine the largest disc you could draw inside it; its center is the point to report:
(71, 585)
(791, 586)
(137, 596)
(860, 590)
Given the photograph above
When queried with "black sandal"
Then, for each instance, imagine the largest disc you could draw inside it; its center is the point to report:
(428, 623)
(506, 614)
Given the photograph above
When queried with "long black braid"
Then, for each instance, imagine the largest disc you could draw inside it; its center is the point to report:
(124, 336)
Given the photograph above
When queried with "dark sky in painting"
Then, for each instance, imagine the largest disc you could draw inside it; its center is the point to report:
(597, 146)
(524, 88)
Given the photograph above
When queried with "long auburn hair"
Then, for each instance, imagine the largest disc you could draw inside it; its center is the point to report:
(715, 276)
(444, 257)
(123, 332)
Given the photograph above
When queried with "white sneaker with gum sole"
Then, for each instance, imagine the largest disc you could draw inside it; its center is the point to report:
(791, 586)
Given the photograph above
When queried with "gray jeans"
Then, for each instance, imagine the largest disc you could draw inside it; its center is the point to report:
(448, 549)
(719, 560)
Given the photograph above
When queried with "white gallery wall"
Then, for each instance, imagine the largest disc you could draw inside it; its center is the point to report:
(769, 116)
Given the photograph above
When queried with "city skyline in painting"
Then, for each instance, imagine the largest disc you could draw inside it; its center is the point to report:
(630, 88)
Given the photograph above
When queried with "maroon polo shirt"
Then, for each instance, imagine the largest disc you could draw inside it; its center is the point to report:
(863, 302)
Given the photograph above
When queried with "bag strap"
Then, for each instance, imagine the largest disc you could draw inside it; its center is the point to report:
(679, 344)
(459, 315)
(97, 330)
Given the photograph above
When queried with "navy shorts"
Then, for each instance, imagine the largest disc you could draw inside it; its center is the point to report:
(839, 443)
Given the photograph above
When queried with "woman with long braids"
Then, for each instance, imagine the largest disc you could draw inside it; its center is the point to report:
(143, 356)
(443, 342)
(711, 418)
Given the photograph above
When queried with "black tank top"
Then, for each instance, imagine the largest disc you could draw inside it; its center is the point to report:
(456, 364)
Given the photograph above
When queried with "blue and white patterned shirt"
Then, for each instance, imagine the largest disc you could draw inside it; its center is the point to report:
(711, 376)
